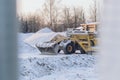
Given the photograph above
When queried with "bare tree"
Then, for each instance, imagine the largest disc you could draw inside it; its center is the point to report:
(23, 24)
(75, 17)
(51, 12)
(58, 19)
(78, 16)
(31, 23)
(72, 17)
(93, 11)
(66, 18)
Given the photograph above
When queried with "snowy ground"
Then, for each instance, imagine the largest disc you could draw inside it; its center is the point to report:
(33, 66)
(69, 67)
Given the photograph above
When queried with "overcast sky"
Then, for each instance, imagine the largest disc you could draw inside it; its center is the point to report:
(30, 6)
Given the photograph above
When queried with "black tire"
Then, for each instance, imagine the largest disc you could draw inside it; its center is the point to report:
(69, 48)
(92, 43)
(81, 50)
(56, 48)
(59, 51)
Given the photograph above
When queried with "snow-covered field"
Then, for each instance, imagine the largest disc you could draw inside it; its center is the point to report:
(34, 66)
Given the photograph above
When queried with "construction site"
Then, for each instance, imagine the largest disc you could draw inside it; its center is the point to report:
(59, 40)
(47, 55)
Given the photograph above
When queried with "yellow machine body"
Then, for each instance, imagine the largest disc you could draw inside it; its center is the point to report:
(85, 41)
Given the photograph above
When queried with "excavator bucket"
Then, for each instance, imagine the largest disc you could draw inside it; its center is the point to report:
(51, 47)
(47, 48)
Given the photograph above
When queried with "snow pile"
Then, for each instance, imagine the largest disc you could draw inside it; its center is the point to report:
(80, 27)
(45, 30)
(92, 23)
(43, 35)
(57, 67)
(24, 48)
(62, 33)
(39, 38)
(29, 46)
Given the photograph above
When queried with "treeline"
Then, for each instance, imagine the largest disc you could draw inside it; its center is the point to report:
(55, 17)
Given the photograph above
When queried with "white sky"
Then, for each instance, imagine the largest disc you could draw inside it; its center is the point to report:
(30, 6)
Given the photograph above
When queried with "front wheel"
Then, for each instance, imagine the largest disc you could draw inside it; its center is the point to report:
(69, 48)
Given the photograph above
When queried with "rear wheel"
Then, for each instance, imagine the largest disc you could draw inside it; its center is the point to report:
(81, 50)
(92, 43)
(69, 48)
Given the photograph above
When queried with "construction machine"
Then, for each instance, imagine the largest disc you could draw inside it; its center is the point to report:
(75, 40)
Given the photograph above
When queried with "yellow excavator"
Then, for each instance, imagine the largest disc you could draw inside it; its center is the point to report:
(76, 39)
